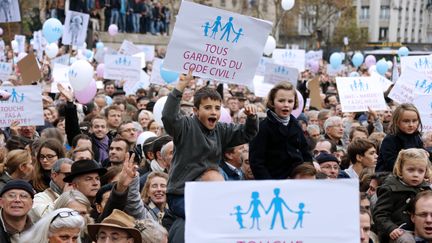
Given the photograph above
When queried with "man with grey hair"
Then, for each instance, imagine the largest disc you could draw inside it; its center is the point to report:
(167, 152)
(43, 202)
(334, 131)
(313, 132)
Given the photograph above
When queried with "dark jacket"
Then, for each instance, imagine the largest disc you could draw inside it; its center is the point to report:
(117, 200)
(228, 173)
(4, 236)
(390, 147)
(277, 149)
(197, 148)
(391, 209)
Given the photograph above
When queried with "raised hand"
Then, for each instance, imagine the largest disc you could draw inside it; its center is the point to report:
(67, 93)
(250, 110)
(128, 173)
(185, 80)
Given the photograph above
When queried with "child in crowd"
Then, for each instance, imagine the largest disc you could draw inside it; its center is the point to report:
(390, 213)
(199, 140)
(404, 133)
(280, 145)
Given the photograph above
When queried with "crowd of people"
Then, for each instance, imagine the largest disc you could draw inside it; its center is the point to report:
(131, 16)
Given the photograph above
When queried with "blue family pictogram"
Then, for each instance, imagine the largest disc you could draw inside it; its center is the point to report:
(15, 96)
(359, 86)
(72, 73)
(5, 67)
(423, 63)
(277, 208)
(281, 70)
(123, 61)
(288, 54)
(227, 29)
(424, 85)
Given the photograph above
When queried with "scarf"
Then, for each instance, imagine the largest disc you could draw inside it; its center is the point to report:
(103, 147)
(154, 165)
(55, 188)
(284, 121)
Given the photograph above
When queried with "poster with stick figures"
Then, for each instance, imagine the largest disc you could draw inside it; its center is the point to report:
(75, 28)
(9, 11)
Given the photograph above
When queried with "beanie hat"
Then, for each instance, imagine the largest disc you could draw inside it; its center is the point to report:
(326, 157)
(18, 184)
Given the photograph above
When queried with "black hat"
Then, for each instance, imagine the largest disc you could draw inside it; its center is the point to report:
(326, 157)
(82, 167)
(18, 184)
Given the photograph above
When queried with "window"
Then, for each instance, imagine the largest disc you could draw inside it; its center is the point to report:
(364, 14)
(385, 12)
(383, 32)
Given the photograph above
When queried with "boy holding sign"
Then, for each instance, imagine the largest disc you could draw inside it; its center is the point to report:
(199, 140)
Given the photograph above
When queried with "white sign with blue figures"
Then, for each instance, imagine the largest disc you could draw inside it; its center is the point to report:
(424, 105)
(411, 84)
(422, 64)
(5, 70)
(218, 44)
(275, 73)
(287, 211)
(122, 67)
(294, 58)
(360, 94)
(24, 105)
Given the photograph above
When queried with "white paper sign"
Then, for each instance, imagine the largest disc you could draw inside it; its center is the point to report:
(222, 45)
(63, 59)
(409, 85)
(149, 51)
(122, 67)
(24, 105)
(60, 75)
(260, 88)
(128, 48)
(130, 87)
(262, 65)
(359, 93)
(424, 105)
(314, 55)
(155, 77)
(272, 211)
(422, 64)
(385, 83)
(276, 73)
(20, 39)
(9, 11)
(290, 57)
(75, 28)
(5, 70)
(39, 44)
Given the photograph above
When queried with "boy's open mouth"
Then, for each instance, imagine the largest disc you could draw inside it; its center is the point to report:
(212, 120)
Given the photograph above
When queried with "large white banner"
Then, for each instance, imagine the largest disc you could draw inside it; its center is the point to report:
(359, 93)
(272, 211)
(75, 28)
(24, 105)
(9, 11)
(294, 58)
(275, 73)
(221, 45)
(409, 85)
(122, 67)
(5, 70)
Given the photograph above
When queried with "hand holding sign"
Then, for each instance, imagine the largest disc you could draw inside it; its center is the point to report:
(184, 80)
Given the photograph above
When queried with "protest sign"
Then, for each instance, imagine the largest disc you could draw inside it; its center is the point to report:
(155, 77)
(39, 43)
(75, 28)
(315, 94)
(20, 39)
(149, 51)
(385, 83)
(221, 45)
(260, 88)
(122, 67)
(272, 211)
(409, 85)
(276, 73)
(60, 75)
(359, 93)
(262, 65)
(290, 58)
(422, 64)
(128, 48)
(130, 87)
(29, 69)
(5, 70)
(9, 11)
(24, 105)
(424, 106)
(63, 59)
(314, 55)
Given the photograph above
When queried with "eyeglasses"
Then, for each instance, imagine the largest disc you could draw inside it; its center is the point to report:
(15, 196)
(423, 215)
(48, 156)
(114, 237)
(65, 215)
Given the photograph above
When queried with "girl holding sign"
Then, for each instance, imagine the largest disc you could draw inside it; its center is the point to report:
(280, 145)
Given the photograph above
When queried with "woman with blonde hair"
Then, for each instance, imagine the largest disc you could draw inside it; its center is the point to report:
(154, 194)
(18, 165)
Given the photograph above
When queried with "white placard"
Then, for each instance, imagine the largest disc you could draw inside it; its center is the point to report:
(222, 45)
(39, 44)
(385, 83)
(422, 64)
(75, 28)
(122, 67)
(262, 65)
(20, 39)
(24, 105)
(359, 93)
(130, 87)
(290, 57)
(276, 73)
(272, 211)
(63, 59)
(9, 11)
(5, 70)
(260, 88)
(155, 77)
(409, 85)
(314, 55)
(60, 75)
(128, 48)
(424, 106)
(149, 51)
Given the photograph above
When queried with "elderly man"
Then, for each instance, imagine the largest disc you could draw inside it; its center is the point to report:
(421, 216)
(334, 130)
(118, 227)
(230, 167)
(16, 200)
(329, 165)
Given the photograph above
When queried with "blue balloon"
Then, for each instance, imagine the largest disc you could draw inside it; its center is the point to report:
(335, 60)
(52, 30)
(168, 76)
(357, 59)
(99, 45)
(381, 66)
(403, 51)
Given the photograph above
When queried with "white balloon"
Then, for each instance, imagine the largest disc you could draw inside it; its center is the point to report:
(80, 75)
(14, 45)
(287, 4)
(270, 45)
(51, 50)
(157, 110)
(389, 64)
(144, 136)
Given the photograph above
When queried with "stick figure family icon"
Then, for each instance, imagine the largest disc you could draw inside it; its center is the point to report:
(217, 26)
(277, 205)
(13, 96)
